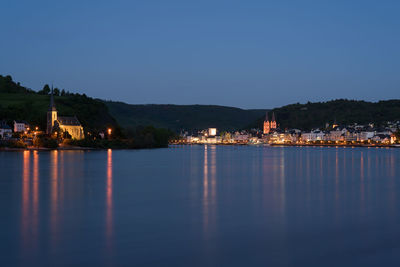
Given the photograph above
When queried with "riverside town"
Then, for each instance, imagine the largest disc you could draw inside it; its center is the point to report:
(331, 135)
(81, 129)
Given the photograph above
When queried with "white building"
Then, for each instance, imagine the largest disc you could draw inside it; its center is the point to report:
(316, 135)
(364, 136)
(20, 126)
(5, 131)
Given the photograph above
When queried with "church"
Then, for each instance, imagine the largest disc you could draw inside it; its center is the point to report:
(269, 125)
(71, 125)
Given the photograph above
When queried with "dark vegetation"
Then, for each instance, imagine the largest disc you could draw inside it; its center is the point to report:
(21, 103)
(142, 137)
(182, 117)
(46, 142)
(341, 111)
(128, 121)
(12, 144)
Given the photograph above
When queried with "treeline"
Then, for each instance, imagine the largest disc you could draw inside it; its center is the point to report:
(57, 92)
(141, 137)
(341, 111)
(183, 117)
(7, 85)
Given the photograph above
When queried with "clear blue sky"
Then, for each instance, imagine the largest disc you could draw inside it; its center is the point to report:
(249, 54)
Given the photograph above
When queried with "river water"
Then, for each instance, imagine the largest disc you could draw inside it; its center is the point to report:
(201, 206)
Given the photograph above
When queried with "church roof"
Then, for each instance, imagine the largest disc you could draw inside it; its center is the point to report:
(72, 121)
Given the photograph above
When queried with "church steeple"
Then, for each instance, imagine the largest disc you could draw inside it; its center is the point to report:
(52, 106)
(51, 113)
(267, 125)
(273, 121)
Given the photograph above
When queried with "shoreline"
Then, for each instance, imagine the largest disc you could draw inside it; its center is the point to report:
(297, 145)
(71, 148)
(75, 148)
(47, 149)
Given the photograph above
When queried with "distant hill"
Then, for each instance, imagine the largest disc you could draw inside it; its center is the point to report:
(343, 111)
(18, 102)
(178, 117)
(21, 103)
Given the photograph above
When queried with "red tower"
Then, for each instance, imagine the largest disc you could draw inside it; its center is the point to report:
(267, 125)
(273, 121)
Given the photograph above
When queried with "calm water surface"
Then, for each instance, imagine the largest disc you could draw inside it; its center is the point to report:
(201, 206)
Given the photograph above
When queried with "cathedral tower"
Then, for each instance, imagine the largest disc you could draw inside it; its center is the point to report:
(267, 125)
(273, 121)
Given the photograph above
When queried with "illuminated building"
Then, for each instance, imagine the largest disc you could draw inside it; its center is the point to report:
(212, 131)
(269, 125)
(71, 125)
(273, 122)
(20, 126)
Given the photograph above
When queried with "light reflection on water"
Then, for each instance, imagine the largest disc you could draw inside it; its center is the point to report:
(109, 203)
(201, 205)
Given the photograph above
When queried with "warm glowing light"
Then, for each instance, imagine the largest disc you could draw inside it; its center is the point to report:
(37, 128)
(212, 131)
(109, 131)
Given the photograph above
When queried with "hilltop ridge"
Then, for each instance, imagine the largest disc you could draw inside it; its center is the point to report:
(19, 102)
(183, 117)
(339, 111)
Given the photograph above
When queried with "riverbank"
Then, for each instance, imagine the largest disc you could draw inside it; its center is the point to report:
(296, 145)
(47, 149)
(340, 145)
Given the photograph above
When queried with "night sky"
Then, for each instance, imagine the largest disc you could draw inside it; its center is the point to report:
(249, 54)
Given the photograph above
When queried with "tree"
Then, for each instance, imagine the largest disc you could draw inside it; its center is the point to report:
(45, 90)
(62, 92)
(56, 91)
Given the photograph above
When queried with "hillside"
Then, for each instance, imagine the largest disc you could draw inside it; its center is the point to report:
(178, 117)
(17, 102)
(313, 115)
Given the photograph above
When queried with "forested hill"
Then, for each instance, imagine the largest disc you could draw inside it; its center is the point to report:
(315, 115)
(20, 103)
(178, 117)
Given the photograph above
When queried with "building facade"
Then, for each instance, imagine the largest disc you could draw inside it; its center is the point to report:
(69, 125)
(20, 126)
(5, 130)
(269, 125)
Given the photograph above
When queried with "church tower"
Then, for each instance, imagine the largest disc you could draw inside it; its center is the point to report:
(51, 114)
(273, 121)
(267, 126)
